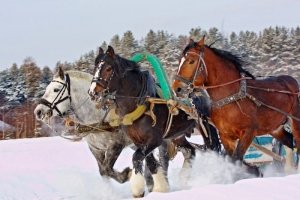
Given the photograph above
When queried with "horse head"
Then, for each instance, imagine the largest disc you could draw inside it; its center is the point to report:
(192, 71)
(57, 100)
(109, 69)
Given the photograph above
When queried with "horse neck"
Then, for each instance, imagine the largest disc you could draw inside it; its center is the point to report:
(220, 71)
(84, 108)
(129, 86)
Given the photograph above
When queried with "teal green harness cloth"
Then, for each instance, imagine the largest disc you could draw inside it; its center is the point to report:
(158, 70)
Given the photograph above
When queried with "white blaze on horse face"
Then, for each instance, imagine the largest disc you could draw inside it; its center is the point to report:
(96, 76)
(92, 88)
(181, 63)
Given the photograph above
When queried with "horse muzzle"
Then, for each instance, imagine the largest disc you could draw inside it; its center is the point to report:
(42, 114)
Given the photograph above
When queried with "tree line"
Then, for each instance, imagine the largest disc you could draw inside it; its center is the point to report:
(272, 51)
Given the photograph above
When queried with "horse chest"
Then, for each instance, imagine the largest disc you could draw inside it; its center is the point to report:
(230, 117)
(135, 135)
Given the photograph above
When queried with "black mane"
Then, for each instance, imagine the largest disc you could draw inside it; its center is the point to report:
(125, 65)
(235, 59)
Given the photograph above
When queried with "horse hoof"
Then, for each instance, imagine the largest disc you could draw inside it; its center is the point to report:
(138, 196)
(254, 170)
(126, 174)
(129, 173)
(137, 184)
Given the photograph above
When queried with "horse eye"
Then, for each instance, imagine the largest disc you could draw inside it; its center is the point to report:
(109, 69)
(191, 62)
(56, 90)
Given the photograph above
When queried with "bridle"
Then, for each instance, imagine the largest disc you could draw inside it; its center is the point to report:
(103, 82)
(201, 66)
(59, 98)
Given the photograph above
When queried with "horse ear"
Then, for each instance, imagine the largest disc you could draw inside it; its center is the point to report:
(60, 73)
(201, 42)
(110, 51)
(191, 41)
(100, 51)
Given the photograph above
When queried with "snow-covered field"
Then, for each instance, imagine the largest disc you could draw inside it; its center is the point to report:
(55, 168)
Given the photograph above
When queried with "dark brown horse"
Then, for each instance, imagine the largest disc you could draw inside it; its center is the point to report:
(122, 82)
(242, 107)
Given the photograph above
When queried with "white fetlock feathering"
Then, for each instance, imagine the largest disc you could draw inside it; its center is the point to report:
(137, 184)
(160, 181)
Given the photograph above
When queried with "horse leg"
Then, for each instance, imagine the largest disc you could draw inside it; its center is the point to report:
(149, 179)
(241, 148)
(187, 150)
(99, 154)
(137, 181)
(296, 130)
(164, 161)
(228, 143)
(159, 176)
(290, 165)
(111, 155)
(164, 156)
(243, 144)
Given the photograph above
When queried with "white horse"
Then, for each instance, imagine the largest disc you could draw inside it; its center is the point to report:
(67, 93)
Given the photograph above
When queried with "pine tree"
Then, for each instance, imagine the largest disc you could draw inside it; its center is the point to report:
(128, 45)
(115, 42)
(214, 37)
(182, 41)
(104, 45)
(234, 42)
(150, 42)
(14, 71)
(196, 33)
(47, 75)
(163, 38)
(295, 43)
(32, 75)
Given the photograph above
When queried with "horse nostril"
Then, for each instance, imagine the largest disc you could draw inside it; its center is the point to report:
(39, 114)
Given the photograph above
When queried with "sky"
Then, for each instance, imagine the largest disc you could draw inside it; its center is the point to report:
(63, 30)
(55, 168)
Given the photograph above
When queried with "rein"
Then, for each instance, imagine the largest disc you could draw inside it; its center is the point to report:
(242, 93)
(224, 84)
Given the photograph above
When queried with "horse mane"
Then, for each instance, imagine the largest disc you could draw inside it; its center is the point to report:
(237, 60)
(125, 65)
(79, 74)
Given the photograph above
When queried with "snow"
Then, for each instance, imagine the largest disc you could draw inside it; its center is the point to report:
(54, 168)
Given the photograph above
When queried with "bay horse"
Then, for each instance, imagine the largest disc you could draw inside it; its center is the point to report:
(122, 82)
(242, 106)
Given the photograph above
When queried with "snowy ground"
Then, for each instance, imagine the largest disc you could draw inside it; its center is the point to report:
(55, 168)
